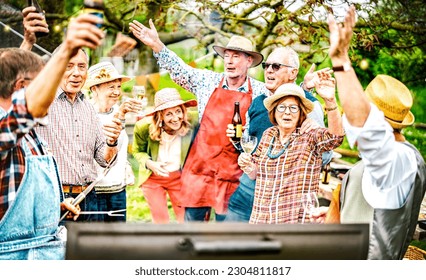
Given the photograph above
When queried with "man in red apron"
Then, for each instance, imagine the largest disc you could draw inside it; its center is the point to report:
(211, 173)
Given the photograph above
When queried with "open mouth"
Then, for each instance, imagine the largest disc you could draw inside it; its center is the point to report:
(75, 84)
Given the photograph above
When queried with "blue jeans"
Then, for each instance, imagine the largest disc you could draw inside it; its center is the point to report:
(201, 214)
(112, 201)
(241, 201)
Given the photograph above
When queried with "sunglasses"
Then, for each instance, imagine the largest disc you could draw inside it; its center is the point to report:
(275, 66)
(293, 108)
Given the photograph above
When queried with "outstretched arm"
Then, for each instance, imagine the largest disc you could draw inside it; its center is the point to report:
(326, 88)
(351, 94)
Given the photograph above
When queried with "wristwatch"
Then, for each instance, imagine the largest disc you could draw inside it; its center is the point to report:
(343, 68)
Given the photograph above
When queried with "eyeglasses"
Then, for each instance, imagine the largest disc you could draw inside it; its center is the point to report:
(275, 66)
(293, 108)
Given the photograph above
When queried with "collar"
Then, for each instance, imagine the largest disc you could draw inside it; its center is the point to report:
(60, 94)
(243, 88)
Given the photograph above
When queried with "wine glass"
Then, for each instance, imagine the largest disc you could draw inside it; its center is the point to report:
(310, 203)
(139, 93)
(248, 143)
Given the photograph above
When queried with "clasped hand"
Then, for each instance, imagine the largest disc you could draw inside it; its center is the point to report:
(157, 167)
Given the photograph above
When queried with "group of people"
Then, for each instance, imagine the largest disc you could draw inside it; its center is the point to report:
(54, 142)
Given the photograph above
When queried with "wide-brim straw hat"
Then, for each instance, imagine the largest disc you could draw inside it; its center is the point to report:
(241, 44)
(289, 89)
(103, 72)
(168, 98)
(393, 98)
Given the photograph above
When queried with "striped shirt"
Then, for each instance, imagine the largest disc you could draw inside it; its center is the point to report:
(15, 124)
(74, 134)
(201, 82)
(287, 171)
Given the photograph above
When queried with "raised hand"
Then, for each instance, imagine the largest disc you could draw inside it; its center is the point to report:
(326, 88)
(312, 77)
(33, 22)
(148, 36)
(341, 35)
(131, 105)
(308, 125)
(82, 32)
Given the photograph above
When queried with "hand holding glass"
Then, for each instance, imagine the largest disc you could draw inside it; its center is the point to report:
(139, 93)
(310, 203)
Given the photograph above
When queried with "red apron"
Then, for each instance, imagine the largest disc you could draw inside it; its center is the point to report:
(211, 172)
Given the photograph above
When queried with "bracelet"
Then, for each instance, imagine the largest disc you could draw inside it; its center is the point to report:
(112, 145)
(331, 109)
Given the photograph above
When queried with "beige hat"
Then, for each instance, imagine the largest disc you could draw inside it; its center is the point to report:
(393, 98)
(289, 89)
(103, 72)
(242, 44)
(168, 98)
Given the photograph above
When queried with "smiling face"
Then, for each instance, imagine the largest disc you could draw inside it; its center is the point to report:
(173, 118)
(75, 74)
(236, 64)
(107, 94)
(287, 120)
(285, 74)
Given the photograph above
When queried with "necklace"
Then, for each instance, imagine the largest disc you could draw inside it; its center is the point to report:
(277, 155)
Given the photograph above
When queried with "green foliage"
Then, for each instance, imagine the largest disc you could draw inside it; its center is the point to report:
(417, 137)
(73, 7)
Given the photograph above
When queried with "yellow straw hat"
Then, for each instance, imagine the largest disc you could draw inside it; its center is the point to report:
(393, 98)
(168, 98)
(289, 89)
(241, 44)
(103, 72)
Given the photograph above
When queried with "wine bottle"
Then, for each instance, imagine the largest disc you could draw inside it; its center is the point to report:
(237, 122)
(94, 7)
(326, 174)
(41, 12)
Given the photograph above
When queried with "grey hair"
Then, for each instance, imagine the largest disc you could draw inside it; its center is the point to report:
(293, 56)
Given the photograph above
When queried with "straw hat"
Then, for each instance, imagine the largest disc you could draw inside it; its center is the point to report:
(241, 44)
(289, 89)
(169, 98)
(393, 98)
(103, 72)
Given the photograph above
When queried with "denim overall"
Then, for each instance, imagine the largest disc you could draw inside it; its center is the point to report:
(28, 229)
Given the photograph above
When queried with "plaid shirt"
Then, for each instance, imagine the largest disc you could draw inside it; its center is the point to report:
(75, 135)
(283, 177)
(15, 124)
